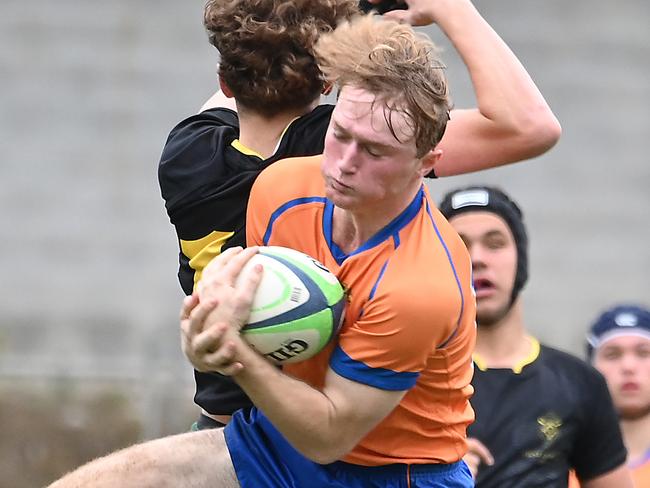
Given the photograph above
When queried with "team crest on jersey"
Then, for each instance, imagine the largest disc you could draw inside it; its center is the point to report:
(549, 428)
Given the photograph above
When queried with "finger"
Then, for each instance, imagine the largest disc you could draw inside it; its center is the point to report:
(235, 265)
(209, 340)
(246, 290)
(401, 16)
(189, 302)
(221, 358)
(232, 369)
(222, 259)
(472, 461)
(197, 319)
(478, 448)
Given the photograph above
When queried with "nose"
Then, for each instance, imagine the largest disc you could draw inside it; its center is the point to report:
(629, 363)
(477, 256)
(347, 161)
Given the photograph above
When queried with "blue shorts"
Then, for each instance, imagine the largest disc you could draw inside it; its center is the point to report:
(264, 459)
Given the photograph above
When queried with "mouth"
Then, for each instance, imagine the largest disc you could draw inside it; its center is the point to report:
(630, 387)
(483, 287)
(338, 186)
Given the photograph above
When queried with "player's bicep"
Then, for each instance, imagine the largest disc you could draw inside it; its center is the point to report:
(616, 478)
(357, 408)
(473, 142)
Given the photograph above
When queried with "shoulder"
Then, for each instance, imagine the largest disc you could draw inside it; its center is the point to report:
(580, 374)
(207, 124)
(291, 175)
(285, 181)
(305, 136)
(194, 148)
(557, 359)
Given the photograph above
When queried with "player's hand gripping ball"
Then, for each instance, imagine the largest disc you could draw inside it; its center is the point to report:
(297, 309)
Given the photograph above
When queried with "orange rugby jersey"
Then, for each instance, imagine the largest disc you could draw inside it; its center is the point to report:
(410, 320)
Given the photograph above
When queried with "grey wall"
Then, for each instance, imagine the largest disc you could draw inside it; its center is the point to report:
(91, 89)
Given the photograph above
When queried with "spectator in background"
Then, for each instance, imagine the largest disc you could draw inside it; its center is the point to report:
(619, 347)
(268, 73)
(539, 411)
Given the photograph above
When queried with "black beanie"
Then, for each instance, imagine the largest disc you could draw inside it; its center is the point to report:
(491, 199)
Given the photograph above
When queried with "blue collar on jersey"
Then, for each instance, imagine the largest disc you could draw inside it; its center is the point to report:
(391, 230)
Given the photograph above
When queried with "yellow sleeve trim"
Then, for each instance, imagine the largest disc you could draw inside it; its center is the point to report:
(201, 251)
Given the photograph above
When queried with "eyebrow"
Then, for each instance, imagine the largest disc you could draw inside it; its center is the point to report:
(362, 140)
(490, 233)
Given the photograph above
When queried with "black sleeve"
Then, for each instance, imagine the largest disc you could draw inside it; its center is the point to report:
(205, 186)
(599, 445)
(192, 154)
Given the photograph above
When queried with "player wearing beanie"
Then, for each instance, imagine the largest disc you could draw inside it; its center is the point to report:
(618, 346)
(539, 411)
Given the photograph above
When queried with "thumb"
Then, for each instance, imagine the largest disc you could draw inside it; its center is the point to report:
(478, 448)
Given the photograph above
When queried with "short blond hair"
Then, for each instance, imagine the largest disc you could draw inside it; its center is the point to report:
(398, 65)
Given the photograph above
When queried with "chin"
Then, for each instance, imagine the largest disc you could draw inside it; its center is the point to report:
(488, 316)
(633, 411)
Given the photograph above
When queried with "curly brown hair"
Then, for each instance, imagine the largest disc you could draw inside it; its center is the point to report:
(266, 48)
(398, 65)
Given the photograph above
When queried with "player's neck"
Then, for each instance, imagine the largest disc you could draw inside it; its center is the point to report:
(352, 228)
(506, 343)
(636, 435)
(262, 134)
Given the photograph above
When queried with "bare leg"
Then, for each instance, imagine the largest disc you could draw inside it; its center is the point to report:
(193, 460)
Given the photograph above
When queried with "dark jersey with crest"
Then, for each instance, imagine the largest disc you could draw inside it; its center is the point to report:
(552, 414)
(205, 177)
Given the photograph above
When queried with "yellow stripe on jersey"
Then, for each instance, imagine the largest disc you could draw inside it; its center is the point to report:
(201, 251)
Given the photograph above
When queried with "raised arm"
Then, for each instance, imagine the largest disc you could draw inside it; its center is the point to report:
(512, 122)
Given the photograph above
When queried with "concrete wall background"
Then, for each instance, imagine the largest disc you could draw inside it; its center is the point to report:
(91, 89)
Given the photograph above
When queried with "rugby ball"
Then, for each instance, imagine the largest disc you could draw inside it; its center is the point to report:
(297, 309)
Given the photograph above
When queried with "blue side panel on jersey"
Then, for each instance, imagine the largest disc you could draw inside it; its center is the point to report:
(283, 208)
(384, 379)
(316, 302)
(453, 268)
(381, 275)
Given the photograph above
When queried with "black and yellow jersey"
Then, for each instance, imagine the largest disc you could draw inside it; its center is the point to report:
(205, 176)
(550, 414)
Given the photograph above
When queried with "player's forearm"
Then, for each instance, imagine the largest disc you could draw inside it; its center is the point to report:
(505, 93)
(305, 416)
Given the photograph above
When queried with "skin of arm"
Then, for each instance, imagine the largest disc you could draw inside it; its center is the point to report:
(512, 122)
(477, 454)
(617, 478)
(323, 425)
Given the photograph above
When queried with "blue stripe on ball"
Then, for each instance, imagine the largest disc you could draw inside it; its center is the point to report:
(317, 300)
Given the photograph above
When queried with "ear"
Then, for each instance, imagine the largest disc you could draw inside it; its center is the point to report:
(429, 161)
(225, 89)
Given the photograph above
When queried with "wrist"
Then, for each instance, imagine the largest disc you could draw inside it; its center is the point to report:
(453, 16)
